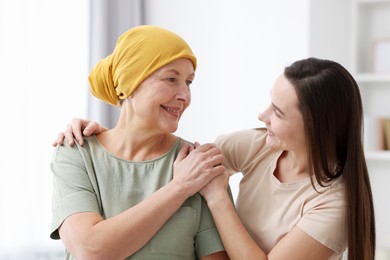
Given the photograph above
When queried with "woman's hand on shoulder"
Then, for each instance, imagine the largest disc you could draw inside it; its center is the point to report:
(195, 166)
(78, 128)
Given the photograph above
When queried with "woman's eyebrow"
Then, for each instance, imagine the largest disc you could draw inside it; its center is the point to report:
(177, 72)
(173, 70)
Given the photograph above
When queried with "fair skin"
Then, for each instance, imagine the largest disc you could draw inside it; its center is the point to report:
(143, 132)
(285, 129)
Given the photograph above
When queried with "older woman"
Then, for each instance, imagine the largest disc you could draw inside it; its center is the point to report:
(131, 192)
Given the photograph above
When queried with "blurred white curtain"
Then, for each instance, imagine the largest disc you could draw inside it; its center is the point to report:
(109, 19)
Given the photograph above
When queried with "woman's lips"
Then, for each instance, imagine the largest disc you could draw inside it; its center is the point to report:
(172, 110)
(269, 132)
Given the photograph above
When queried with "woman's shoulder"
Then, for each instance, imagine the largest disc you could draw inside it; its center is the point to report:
(243, 138)
(77, 149)
(244, 149)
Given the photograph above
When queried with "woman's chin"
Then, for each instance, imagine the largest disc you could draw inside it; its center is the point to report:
(273, 142)
(172, 128)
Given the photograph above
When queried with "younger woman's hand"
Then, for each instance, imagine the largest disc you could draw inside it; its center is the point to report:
(78, 128)
(216, 188)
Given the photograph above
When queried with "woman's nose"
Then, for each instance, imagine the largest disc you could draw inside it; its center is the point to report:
(184, 93)
(263, 116)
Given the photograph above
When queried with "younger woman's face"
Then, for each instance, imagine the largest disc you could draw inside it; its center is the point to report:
(283, 119)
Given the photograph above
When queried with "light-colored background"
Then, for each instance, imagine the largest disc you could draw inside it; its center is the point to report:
(242, 46)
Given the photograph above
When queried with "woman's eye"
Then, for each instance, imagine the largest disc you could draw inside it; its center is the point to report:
(171, 79)
(276, 112)
(189, 82)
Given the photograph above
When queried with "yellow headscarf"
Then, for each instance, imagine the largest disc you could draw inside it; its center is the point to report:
(138, 53)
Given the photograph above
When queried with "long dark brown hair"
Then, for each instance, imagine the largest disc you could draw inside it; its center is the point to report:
(331, 107)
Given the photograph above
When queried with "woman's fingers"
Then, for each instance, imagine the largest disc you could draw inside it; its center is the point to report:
(90, 127)
(75, 130)
(198, 165)
(216, 160)
(211, 153)
(184, 150)
(59, 140)
(78, 129)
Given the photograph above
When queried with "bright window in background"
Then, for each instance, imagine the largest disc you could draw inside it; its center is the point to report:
(43, 77)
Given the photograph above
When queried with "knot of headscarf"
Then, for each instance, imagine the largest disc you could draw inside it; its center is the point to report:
(138, 53)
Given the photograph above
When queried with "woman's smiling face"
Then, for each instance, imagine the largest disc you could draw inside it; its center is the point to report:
(283, 119)
(161, 99)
